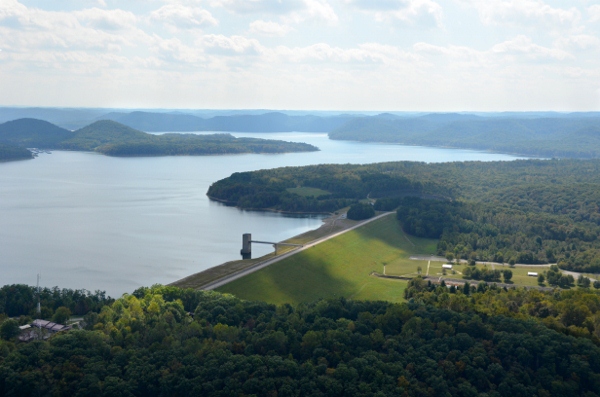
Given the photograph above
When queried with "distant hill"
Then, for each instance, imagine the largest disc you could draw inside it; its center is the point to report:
(69, 118)
(102, 133)
(576, 137)
(9, 153)
(157, 122)
(268, 122)
(115, 139)
(33, 133)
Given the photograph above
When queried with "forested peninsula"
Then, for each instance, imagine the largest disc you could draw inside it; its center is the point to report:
(571, 136)
(166, 341)
(10, 153)
(526, 211)
(114, 139)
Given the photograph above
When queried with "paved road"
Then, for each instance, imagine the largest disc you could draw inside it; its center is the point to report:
(261, 265)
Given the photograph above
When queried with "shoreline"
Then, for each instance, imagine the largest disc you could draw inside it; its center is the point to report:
(231, 204)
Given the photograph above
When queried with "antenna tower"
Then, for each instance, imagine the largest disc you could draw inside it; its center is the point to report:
(37, 289)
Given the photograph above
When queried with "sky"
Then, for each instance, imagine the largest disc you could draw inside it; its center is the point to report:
(388, 55)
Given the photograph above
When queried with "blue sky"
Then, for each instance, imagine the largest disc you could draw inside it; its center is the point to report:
(413, 55)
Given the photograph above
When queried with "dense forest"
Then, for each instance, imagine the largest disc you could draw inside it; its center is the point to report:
(526, 211)
(164, 341)
(568, 137)
(573, 312)
(21, 300)
(10, 152)
(114, 139)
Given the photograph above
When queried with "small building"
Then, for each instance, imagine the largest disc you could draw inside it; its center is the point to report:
(446, 266)
(50, 326)
(532, 274)
(41, 329)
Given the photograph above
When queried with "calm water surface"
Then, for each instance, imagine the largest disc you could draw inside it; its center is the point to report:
(85, 220)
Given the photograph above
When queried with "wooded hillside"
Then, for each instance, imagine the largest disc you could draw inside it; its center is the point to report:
(530, 211)
(567, 137)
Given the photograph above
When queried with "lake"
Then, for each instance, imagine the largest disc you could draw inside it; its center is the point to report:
(85, 220)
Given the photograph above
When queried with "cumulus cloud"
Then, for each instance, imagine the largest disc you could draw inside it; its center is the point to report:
(296, 11)
(234, 45)
(260, 6)
(181, 16)
(594, 13)
(269, 28)
(173, 50)
(523, 45)
(368, 53)
(524, 12)
(29, 31)
(579, 41)
(106, 19)
(424, 13)
(317, 9)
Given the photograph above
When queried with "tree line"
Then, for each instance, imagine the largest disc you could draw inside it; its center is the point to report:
(21, 300)
(163, 341)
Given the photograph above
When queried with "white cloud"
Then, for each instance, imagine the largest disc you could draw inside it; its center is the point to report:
(260, 6)
(524, 12)
(106, 19)
(422, 13)
(381, 5)
(296, 11)
(173, 50)
(27, 29)
(362, 54)
(181, 16)
(317, 9)
(522, 45)
(234, 45)
(579, 41)
(269, 28)
(594, 13)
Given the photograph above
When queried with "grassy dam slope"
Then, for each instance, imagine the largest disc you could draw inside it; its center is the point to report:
(339, 267)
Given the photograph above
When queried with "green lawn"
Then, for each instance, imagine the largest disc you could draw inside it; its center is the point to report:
(338, 267)
(308, 191)
(520, 276)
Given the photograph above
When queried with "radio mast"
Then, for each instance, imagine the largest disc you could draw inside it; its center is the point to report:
(39, 308)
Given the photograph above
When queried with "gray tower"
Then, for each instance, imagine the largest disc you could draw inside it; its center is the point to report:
(246, 246)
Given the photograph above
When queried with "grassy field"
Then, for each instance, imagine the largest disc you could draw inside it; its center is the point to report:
(520, 276)
(307, 191)
(338, 267)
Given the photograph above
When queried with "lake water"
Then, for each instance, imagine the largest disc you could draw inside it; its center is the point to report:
(85, 220)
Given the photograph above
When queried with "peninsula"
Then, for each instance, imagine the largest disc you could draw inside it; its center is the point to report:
(115, 139)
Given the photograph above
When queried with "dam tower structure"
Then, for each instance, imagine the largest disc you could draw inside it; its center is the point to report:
(246, 250)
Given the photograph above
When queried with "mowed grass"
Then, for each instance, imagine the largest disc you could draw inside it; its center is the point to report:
(519, 277)
(307, 191)
(338, 267)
